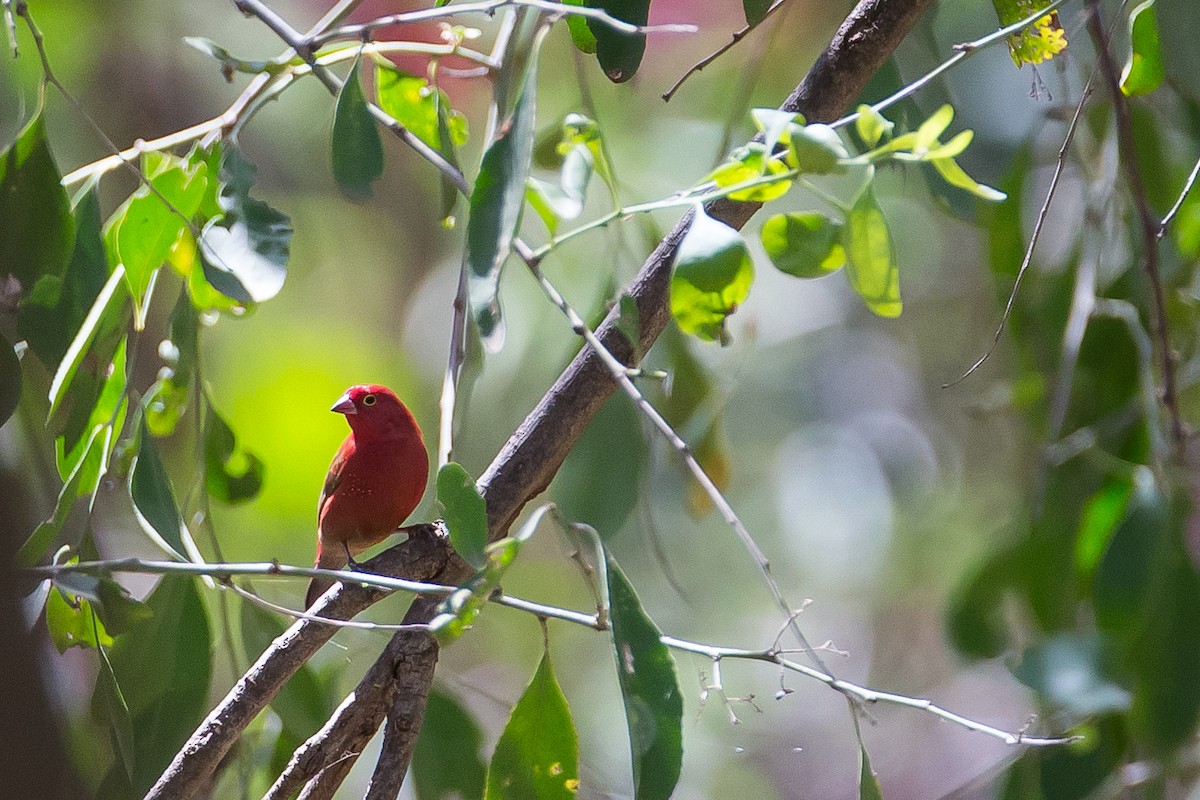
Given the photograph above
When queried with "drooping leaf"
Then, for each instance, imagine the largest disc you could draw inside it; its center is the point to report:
(446, 761)
(45, 534)
(1144, 71)
(244, 253)
(90, 444)
(1101, 516)
(755, 10)
(713, 273)
(163, 666)
(357, 149)
(954, 175)
(50, 317)
(112, 700)
(38, 229)
(804, 244)
(650, 689)
(231, 474)
(870, 256)
(868, 783)
(581, 34)
(465, 513)
(537, 757)
(872, 127)
(106, 314)
(775, 125)
(620, 53)
(496, 205)
(975, 619)
(153, 499)
(10, 380)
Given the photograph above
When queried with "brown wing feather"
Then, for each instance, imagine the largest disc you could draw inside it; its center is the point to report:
(334, 476)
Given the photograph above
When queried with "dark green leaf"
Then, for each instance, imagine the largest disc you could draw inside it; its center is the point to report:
(106, 315)
(871, 257)
(232, 475)
(620, 53)
(713, 273)
(496, 204)
(755, 10)
(49, 318)
(10, 380)
(38, 229)
(115, 710)
(303, 702)
(465, 513)
(1073, 672)
(1144, 71)
(805, 245)
(1123, 584)
(629, 323)
(153, 500)
(975, 620)
(650, 689)
(868, 783)
(537, 757)
(357, 149)
(105, 409)
(244, 254)
(163, 666)
(446, 762)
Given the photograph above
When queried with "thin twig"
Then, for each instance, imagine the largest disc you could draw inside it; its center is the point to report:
(1187, 189)
(1059, 167)
(1149, 224)
(725, 48)
(363, 30)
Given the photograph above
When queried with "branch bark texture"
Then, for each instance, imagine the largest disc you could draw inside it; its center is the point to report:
(522, 470)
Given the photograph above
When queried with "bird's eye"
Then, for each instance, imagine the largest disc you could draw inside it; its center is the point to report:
(369, 400)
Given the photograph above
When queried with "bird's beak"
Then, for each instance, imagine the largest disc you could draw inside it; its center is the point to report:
(344, 405)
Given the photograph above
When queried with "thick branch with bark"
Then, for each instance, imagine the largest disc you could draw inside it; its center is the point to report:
(522, 470)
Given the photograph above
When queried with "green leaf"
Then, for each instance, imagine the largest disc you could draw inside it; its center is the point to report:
(153, 501)
(230, 63)
(164, 666)
(976, 622)
(775, 125)
(10, 380)
(109, 599)
(70, 623)
(446, 762)
(496, 204)
(45, 534)
(928, 132)
(1073, 672)
(465, 513)
(1123, 585)
(167, 400)
(303, 704)
(1101, 515)
(868, 783)
(105, 418)
(38, 229)
(805, 244)
(244, 254)
(414, 103)
(817, 149)
(872, 126)
(870, 256)
(750, 163)
(115, 710)
(231, 474)
(537, 756)
(105, 315)
(581, 34)
(141, 232)
(650, 689)
(713, 273)
(49, 318)
(954, 175)
(357, 149)
(1144, 71)
(619, 53)
(755, 10)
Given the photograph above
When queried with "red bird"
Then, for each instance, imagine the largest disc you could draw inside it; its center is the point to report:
(374, 483)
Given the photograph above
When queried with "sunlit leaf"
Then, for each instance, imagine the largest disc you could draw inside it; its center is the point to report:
(537, 757)
(118, 612)
(620, 53)
(650, 689)
(954, 175)
(1144, 71)
(1098, 522)
(750, 163)
(357, 149)
(816, 149)
(232, 474)
(465, 513)
(38, 229)
(804, 244)
(581, 34)
(244, 253)
(931, 129)
(1037, 43)
(50, 317)
(446, 762)
(870, 256)
(169, 396)
(70, 624)
(775, 125)
(872, 126)
(496, 204)
(415, 103)
(712, 277)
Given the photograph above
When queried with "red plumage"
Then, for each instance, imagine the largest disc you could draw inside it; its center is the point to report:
(375, 481)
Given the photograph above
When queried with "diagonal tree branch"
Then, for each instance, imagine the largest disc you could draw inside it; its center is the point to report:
(532, 455)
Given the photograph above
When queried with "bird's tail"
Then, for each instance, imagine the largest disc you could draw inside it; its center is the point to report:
(327, 558)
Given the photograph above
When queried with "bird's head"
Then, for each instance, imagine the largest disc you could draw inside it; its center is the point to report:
(374, 409)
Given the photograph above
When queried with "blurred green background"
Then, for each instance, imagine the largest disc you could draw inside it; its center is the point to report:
(871, 489)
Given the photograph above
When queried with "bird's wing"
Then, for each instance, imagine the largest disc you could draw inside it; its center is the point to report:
(334, 476)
